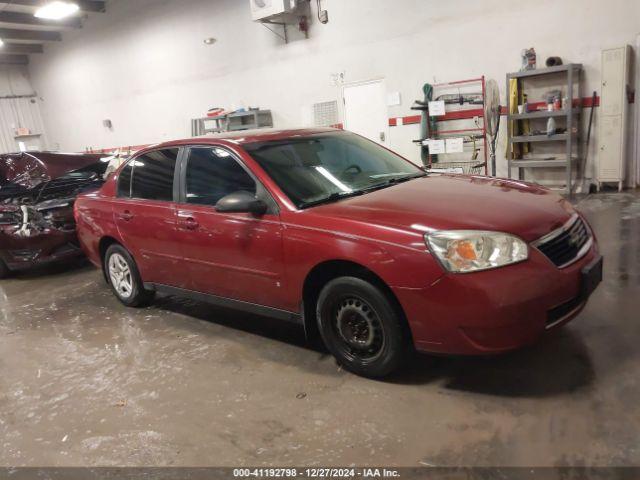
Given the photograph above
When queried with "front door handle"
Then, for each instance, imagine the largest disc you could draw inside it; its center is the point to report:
(126, 216)
(188, 223)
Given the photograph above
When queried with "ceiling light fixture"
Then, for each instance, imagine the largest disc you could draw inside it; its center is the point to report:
(1, 43)
(56, 10)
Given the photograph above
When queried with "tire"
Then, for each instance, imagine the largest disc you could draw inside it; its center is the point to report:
(4, 270)
(124, 279)
(361, 327)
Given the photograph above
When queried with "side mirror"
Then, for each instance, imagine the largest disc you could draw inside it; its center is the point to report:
(241, 202)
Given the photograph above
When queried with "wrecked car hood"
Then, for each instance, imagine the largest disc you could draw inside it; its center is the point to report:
(31, 169)
(38, 190)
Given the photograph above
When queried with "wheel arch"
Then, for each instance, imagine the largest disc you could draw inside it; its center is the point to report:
(103, 246)
(328, 270)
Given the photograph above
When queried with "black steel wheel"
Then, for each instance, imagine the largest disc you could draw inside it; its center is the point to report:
(361, 327)
(357, 324)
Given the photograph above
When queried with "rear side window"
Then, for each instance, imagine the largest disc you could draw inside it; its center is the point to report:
(213, 173)
(124, 180)
(153, 175)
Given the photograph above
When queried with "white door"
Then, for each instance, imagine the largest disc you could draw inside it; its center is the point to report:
(365, 110)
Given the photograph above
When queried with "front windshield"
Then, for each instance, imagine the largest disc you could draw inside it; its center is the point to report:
(325, 167)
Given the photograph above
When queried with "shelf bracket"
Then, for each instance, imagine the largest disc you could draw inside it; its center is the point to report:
(284, 36)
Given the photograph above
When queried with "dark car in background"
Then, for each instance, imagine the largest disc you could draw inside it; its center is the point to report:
(37, 193)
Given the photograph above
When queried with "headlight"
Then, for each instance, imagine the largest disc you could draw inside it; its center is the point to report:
(464, 251)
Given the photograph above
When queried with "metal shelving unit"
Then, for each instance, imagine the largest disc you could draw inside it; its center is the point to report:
(571, 112)
(249, 120)
(230, 122)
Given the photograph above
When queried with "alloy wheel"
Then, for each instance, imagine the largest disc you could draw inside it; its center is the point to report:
(120, 275)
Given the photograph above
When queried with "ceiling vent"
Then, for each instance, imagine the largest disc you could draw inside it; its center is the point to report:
(262, 10)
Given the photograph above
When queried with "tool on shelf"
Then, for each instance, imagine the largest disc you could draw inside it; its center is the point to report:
(492, 113)
(528, 56)
(583, 163)
(427, 123)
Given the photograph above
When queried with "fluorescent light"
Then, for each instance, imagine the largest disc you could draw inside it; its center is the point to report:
(1, 42)
(56, 10)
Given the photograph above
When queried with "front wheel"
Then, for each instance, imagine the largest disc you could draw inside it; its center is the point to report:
(361, 327)
(124, 278)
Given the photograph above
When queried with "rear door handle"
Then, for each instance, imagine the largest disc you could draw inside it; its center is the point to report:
(126, 216)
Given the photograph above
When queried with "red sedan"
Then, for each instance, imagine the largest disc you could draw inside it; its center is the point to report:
(359, 245)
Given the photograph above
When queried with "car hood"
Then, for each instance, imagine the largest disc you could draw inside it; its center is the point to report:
(457, 202)
(30, 169)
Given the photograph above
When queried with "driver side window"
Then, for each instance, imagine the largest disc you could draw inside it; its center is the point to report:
(213, 173)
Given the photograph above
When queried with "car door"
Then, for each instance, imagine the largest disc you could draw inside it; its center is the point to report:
(145, 214)
(232, 255)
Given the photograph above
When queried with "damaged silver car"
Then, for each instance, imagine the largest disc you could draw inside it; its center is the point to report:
(37, 193)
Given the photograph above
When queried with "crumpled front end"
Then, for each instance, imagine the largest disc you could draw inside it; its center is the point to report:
(36, 216)
(32, 234)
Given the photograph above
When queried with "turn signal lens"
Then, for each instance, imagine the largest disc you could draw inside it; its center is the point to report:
(463, 251)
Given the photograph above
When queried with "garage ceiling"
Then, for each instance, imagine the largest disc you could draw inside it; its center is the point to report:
(23, 34)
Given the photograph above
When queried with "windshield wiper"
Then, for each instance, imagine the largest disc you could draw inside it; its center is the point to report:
(332, 198)
(406, 178)
(394, 181)
(340, 195)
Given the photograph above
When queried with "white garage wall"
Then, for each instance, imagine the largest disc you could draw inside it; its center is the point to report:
(144, 65)
(19, 107)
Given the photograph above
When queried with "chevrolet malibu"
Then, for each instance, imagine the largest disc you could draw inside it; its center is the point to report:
(321, 227)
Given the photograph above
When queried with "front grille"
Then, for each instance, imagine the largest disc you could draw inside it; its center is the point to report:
(566, 244)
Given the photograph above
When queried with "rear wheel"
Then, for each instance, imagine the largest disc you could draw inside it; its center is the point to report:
(361, 327)
(4, 270)
(124, 278)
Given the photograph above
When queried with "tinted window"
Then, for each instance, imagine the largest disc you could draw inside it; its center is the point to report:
(124, 181)
(153, 175)
(213, 173)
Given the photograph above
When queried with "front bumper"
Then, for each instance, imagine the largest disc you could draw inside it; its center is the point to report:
(21, 253)
(496, 310)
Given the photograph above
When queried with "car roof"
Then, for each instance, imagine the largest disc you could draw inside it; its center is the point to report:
(246, 136)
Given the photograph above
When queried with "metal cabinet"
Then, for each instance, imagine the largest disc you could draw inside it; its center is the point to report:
(614, 110)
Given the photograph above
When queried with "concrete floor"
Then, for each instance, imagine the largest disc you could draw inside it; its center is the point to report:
(85, 381)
